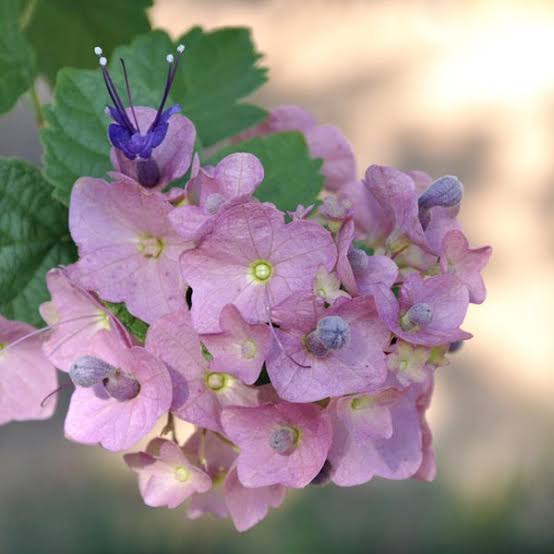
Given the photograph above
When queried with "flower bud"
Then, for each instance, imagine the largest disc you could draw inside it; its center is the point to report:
(358, 259)
(148, 173)
(446, 191)
(333, 332)
(315, 346)
(88, 371)
(283, 440)
(419, 315)
(455, 346)
(214, 202)
(122, 387)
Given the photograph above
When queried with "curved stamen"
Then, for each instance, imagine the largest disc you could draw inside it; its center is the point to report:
(51, 394)
(275, 336)
(129, 93)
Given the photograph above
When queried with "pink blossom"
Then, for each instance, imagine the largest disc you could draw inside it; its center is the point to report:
(301, 373)
(240, 349)
(252, 259)
(27, 375)
(172, 157)
(96, 417)
(428, 312)
(283, 443)
(128, 249)
(173, 339)
(466, 263)
(376, 434)
(166, 477)
(76, 316)
(233, 180)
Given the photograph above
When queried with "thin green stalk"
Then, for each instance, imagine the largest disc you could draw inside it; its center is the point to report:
(36, 105)
(27, 14)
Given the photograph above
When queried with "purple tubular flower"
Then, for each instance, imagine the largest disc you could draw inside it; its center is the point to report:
(126, 133)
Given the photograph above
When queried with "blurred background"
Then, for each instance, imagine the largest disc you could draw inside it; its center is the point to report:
(461, 87)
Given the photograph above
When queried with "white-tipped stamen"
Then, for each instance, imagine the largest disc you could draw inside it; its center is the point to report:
(98, 50)
(103, 61)
(170, 58)
(181, 48)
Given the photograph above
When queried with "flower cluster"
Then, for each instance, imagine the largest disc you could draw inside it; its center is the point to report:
(301, 346)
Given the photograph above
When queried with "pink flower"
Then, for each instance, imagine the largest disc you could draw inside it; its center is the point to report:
(27, 376)
(466, 263)
(324, 141)
(283, 443)
(129, 250)
(428, 312)
(95, 414)
(253, 260)
(199, 393)
(376, 434)
(76, 316)
(240, 349)
(165, 475)
(228, 497)
(233, 180)
(330, 352)
(172, 157)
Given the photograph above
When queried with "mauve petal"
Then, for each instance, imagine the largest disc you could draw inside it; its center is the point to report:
(247, 507)
(465, 263)
(344, 269)
(380, 271)
(27, 376)
(239, 174)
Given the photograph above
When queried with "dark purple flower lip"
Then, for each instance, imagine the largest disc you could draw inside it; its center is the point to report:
(126, 135)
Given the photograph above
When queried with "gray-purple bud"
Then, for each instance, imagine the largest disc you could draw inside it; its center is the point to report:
(214, 202)
(148, 173)
(358, 259)
(315, 346)
(333, 332)
(283, 440)
(419, 315)
(455, 346)
(88, 371)
(122, 387)
(446, 191)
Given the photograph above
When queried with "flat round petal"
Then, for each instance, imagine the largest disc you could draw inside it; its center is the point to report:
(238, 174)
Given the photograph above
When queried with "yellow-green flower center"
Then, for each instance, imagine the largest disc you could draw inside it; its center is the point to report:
(248, 349)
(261, 271)
(361, 402)
(150, 247)
(217, 381)
(182, 474)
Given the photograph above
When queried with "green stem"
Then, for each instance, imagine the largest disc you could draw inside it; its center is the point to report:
(36, 105)
(27, 14)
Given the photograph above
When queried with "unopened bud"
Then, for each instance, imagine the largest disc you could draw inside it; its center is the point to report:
(283, 440)
(446, 191)
(333, 332)
(122, 387)
(88, 371)
(419, 315)
(358, 259)
(214, 202)
(315, 346)
(148, 173)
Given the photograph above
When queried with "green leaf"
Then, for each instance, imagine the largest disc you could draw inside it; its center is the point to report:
(134, 325)
(363, 246)
(291, 176)
(217, 69)
(33, 239)
(64, 32)
(17, 61)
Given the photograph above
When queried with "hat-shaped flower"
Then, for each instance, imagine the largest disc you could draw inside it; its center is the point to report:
(279, 443)
(376, 434)
(252, 259)
(428, 311)
(128, 249)
(121, 392)
(241, 348)
(165, 476)
(151, 147)
(233, 180)
(27, 376)
(329, 352)
(75, 317)
(173, 339)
